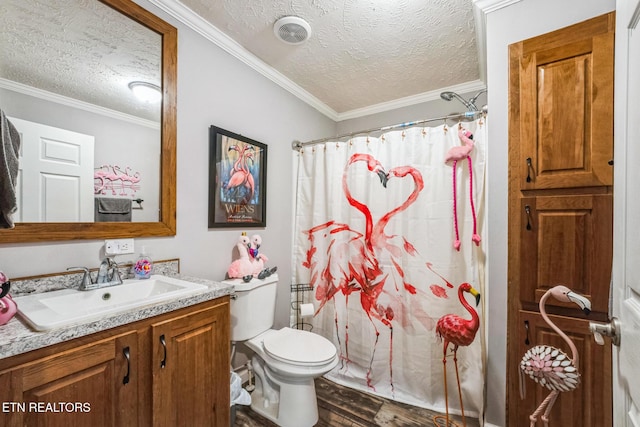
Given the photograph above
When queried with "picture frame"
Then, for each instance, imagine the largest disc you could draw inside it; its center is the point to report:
(237, 180)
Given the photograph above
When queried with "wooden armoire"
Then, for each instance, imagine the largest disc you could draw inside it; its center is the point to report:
(561, 210)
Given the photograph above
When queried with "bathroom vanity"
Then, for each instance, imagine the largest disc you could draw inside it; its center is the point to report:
(164, 365)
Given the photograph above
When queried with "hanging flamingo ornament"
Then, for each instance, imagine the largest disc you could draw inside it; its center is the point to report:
(453, 155)
(549, 366)
(458, 331)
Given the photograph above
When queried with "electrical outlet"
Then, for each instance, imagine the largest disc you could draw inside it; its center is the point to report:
(118, 246)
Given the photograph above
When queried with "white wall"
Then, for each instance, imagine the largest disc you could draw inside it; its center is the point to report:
(519, 21)
(213, 89)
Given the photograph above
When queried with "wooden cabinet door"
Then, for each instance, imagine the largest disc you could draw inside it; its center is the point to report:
(589, 405)
(563, 87)
(190, 369)
(79, 387)
(560, 204)
(566, 240)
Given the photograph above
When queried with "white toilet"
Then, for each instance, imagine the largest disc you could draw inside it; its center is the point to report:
(286, 360)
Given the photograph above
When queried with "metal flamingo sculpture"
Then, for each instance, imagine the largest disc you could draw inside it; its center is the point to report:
(461, 153)
(550, 366)
(455, 330)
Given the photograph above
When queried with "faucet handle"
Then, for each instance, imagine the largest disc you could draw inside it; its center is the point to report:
(86, 277)
(115, 278)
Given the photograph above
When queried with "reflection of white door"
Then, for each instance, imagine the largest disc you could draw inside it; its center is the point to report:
(56, 174)
(626, 273)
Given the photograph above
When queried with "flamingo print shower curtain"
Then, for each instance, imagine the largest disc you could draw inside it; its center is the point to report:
(374, 236)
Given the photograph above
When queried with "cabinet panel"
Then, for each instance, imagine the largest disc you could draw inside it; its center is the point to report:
(566, 240)
(190, 368)
(77, 387)
(590, 404)
(566, 108)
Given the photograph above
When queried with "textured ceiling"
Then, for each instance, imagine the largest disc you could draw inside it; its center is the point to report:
(361, 52)
(81, 49)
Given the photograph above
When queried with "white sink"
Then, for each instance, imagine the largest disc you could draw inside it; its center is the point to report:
(50, 310)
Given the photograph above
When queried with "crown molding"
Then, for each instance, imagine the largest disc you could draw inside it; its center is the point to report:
(71, 102)
(408, 101)
(194, 21)
(480, 10)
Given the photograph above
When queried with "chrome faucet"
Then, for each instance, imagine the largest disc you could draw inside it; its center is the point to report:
(108, 275)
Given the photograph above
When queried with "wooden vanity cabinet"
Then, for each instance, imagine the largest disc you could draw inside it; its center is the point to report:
(116, 377)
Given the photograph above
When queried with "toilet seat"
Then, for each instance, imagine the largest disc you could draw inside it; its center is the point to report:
(298, 347)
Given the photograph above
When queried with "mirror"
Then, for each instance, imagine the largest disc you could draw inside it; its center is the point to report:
(145, 28)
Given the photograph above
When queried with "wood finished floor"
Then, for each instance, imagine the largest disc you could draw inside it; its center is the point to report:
(340, 406)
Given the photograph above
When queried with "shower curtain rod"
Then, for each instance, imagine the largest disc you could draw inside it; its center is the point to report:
(297, 145)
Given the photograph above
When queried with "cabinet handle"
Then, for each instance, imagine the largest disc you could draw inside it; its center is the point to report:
(526, 328)
(528, 169)
(527, 210)
(127, 356)
(163, 362)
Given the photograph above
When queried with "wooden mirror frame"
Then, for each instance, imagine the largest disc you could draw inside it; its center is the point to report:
(166, 226)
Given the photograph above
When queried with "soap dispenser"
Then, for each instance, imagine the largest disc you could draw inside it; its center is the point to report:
(143, 266)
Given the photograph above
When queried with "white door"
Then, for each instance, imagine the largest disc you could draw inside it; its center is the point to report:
(626, 256)
(55, 182)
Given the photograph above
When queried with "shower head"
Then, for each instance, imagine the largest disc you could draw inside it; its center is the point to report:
(470, 104)
(447, 96)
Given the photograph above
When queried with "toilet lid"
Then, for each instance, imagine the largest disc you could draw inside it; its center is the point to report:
(299, 347)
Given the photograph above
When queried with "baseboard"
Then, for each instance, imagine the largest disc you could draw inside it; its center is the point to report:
(490, 425)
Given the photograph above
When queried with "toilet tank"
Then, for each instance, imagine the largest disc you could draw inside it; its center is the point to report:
(253, 309)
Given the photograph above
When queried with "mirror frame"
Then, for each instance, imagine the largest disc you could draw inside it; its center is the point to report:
(166, 226)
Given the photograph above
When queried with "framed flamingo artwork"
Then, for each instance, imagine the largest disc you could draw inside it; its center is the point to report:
(237, 180)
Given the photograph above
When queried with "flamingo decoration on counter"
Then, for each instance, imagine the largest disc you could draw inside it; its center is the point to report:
(550, 366)
(455, 154)
(457, 331)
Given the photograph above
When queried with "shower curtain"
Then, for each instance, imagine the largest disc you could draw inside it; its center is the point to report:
(373, 237)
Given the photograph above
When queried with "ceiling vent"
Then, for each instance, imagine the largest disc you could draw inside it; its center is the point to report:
(292, 30)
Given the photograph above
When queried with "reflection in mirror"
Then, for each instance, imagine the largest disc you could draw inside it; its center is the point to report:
(84, 133)
(95, 161)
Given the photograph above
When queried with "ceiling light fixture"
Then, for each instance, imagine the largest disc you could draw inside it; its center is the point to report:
(146, 92)
(292, 30)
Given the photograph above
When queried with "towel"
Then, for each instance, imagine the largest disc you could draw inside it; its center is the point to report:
(112, 210)
(9, 162)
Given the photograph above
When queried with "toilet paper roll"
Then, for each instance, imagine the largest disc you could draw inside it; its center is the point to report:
(306, 310)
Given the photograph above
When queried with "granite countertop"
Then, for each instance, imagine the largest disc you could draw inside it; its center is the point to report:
(17, 337)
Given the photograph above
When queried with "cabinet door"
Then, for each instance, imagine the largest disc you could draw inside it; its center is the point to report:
(566, 240)
(84, 386)
(190, 369)
(564, 81)
(589, 405)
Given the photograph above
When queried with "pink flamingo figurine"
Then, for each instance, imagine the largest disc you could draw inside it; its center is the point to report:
(455, 330)
(242, 268)
(460, 153)
(550, 366)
